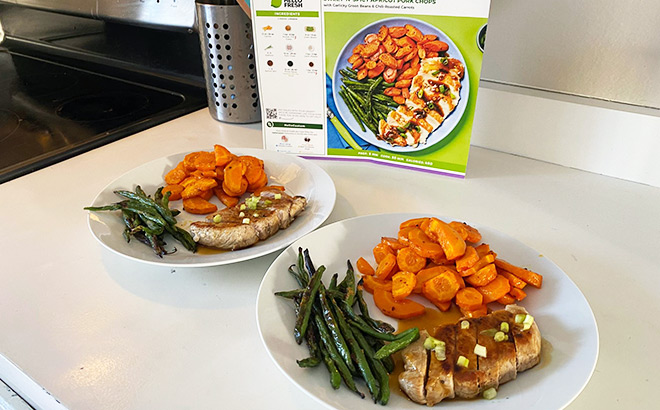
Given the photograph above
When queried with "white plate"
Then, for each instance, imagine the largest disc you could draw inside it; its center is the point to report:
(563, 315)
(450, 122)
(299, 176)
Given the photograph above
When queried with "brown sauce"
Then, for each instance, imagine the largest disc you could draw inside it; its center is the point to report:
(207, 250)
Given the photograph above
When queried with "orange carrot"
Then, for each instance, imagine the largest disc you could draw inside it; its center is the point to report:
(423, 245)
(197, 205)
(371, 283)
(364, 267)
(386, 266)
(381, 250)
(392, 242)
(227, 200)
(469, 299)
(451, 242)
(469, 258)
(485, 260)
(442, 288)
(174, 190)
(515, 281)
(528, 276)
(415, 222)
(403, 284)
(483, 276)
(467, 232)
(427, 274)
(409, 260)
(475, 313)
(497, 288)
(399, 309)
(519, 294)
(506, 300)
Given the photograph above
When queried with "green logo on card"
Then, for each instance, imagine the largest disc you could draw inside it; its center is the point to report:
(276, 3)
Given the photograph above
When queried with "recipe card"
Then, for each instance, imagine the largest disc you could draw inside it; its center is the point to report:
(393, 82)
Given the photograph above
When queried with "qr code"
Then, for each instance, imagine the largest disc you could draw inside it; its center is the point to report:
(271, 113)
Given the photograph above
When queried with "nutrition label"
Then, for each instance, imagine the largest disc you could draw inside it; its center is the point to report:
(289, 49)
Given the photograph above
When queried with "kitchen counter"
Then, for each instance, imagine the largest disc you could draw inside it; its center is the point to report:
(97, 331)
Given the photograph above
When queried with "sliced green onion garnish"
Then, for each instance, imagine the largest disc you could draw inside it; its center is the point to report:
(480, 350)
(504, 326)
(520, 317)
(217, 218)
(490, 394)
(246, 221)
(251, 202)
(278, 196)
(435, 73)
(242, 214)
(420, 93)
(463, 361)
(465, 324)
(430, 105)
(256, 215)
(489, 332)
(528, 322)
(242, 207)
(444, 60)
(401, 129)
(500, 337)
(440, 352)
(443, 89)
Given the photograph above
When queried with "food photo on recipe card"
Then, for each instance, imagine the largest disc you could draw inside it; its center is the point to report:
(391, 82)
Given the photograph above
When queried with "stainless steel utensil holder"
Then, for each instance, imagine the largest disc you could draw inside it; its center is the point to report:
(225, 34)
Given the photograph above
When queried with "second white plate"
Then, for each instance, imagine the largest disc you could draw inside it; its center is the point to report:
(298, 175)
(563, 315)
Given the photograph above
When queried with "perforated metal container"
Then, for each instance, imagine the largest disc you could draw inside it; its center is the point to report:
(225, 33)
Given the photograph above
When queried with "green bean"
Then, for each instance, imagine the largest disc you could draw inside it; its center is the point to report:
(364, 309)
(349, 284)
(334, 328)
(290, 294)
(399, 344)
(334, 354)
(335, 377)
(142, 198)
(366, 329)
(306, 304)
(112, 207)
(333, 282)
(309, 362)
(358, 353)
(303, 276)
(378, 367)
(352, 109)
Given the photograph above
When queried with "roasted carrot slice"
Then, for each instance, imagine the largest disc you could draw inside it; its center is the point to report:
(233, 177)
(174, 190)
(451, 242)
(399, 309)
(475, 313)
(204, 161)
(409, 260)
(427, 274)
(469, 299)
(392, 242)
(485, 260)
(381, 250)
(365, 267)
(386, 267)
(506, 300)
(442, 288)
(415, 222)
(515, 281)
(227, 200)
(403, 284)
(197, 205)
(469, 259)
(371, 283)
(423, 245)
(222, 155)
(519, 294)
(467, 232)
(402, 236)
(497, 288)
(483, 276)
(176, 175)
(528, 276)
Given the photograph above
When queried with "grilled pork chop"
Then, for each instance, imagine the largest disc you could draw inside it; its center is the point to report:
(252, 220)
(447, 378)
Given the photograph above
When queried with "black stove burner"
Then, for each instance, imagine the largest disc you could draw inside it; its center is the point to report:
(44, 84)
(102, 107)
(9, 123)
(50, 112)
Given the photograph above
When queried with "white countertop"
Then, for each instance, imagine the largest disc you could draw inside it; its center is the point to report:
(98, 331)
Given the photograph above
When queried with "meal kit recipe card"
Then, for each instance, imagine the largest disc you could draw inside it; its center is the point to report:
(389, 81)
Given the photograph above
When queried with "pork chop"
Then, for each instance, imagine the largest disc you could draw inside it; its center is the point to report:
(255, 219)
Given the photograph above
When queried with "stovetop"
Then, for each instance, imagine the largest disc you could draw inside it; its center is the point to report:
(52, 111)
